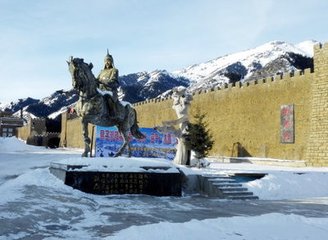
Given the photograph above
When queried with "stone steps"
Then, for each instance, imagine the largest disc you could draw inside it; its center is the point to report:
(221, 179)
(226, 187)
(233, 189)
(237, 193)
(243, 197)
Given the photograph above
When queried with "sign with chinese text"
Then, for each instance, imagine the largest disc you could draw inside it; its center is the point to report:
(287, 128)
(103, 183)
(157, 145)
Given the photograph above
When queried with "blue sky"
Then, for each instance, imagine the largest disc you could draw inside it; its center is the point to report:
(38, 36)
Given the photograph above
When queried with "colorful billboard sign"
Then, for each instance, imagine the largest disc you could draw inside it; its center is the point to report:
(155, 145)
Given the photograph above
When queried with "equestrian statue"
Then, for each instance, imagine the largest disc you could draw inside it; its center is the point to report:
(98, 103)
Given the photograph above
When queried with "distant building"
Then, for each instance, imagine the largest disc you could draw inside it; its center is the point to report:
(41, 132)
(9, 124)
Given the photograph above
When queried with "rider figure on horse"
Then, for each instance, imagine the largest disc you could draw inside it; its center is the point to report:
(108, 81)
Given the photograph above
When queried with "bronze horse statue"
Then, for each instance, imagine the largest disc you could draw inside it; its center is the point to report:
(97, 107)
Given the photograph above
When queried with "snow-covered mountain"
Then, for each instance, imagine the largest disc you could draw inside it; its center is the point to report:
(51, 106)
(266, 60)
(243, 66)
(53, 103)
(142, 86)
(18, 105)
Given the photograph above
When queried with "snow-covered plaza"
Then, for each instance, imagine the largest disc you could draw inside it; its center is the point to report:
(34, 204)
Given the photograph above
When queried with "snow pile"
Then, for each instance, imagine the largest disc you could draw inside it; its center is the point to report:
(269, 226)
(287, 185)
(13, 190)
(12, 144)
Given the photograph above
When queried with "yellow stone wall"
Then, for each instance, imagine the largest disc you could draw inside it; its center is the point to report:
(317, 153)
(247, 114)
(24, 132)
(71, 134)
(151, 113)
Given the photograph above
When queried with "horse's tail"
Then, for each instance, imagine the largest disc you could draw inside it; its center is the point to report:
(135, 128)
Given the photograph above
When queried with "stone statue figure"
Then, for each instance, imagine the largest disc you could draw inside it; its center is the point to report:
(90, 106)
(181, 103)
(108, 83)
(108, 77)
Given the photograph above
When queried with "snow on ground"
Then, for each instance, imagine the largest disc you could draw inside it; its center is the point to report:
(280, 182)
(36, 205)
(270, 226)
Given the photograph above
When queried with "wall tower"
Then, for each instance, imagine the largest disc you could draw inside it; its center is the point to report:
(317, 148)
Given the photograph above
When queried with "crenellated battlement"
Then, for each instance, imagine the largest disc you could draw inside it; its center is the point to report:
(153, 100)
(321, 46)
(289, 76)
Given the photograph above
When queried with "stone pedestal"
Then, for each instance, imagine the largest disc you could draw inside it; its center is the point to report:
(150, 180)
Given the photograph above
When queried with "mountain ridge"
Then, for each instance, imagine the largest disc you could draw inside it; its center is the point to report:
(214, 72)
(265, 60)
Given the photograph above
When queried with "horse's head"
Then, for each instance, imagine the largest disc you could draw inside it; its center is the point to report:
(81, 73)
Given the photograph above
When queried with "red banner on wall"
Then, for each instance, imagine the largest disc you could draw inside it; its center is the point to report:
(287, 128)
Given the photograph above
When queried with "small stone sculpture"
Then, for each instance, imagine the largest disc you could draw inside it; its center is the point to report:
(181, 103)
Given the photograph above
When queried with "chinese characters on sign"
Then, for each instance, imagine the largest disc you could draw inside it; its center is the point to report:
(120, 183)
(287, 130)
(142, 182)
(158, 145)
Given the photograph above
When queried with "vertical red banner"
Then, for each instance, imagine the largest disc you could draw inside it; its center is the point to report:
(287, 128)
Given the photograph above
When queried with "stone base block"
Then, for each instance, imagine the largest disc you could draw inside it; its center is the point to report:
(156, 180)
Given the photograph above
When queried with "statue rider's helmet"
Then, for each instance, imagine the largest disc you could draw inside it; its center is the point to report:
(108, 57)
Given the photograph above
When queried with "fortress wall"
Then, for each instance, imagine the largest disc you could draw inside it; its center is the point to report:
(24, 132)
(151, 113)
(317, 152)
(248, 114)
(74, 133)
(71, 134)
(245, 118)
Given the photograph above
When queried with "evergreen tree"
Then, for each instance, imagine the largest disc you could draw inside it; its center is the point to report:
(198, 137)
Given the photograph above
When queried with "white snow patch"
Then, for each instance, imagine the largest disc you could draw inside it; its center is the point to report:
(269, 226)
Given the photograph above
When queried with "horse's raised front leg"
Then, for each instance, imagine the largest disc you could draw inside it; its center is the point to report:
(85, 138)
(125, 136)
